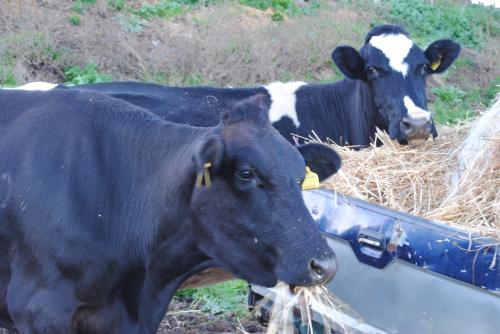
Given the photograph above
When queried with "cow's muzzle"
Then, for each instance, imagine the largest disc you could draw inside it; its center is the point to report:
(416, 128)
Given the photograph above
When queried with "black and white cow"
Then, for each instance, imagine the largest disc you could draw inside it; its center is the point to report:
(384, 88)
(105, 209)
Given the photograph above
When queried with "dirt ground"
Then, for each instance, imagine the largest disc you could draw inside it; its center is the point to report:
(185, 317)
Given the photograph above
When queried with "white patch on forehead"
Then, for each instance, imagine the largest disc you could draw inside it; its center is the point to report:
(283, 100)
(414, 111)
(39, 85)
(395, 47)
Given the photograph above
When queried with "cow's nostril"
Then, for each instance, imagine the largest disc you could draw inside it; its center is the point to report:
(323, 270)
(316, 268)
(406, 124)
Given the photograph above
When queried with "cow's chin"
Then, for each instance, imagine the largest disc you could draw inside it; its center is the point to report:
(398, 136)
(255, 276)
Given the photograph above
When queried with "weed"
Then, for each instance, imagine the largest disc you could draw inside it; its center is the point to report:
(88, 74)
(226, 297)
(131, 23)
(80, 6)
(75, 19)
(467, 24)
(283, 7)
(452, 104)
(163, 9)
(26, 56)
(278, 16)
(194, 80)
(491, 92)
(116, 4)
(7, 78)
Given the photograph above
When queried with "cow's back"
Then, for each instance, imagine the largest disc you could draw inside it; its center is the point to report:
(197, 106)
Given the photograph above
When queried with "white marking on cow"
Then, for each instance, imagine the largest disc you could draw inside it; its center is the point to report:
(414, 111)
(395, 47)
(283, 100)
(39, 85)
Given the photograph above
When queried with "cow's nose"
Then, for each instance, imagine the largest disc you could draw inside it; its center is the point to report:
(323, 271)
(416, 128)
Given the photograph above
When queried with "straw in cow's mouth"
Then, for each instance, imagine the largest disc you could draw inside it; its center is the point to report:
(312, 310)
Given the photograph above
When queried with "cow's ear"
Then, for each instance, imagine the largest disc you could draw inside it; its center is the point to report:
(322, 159)
(441, 54)
(349, 62)
(209, 154)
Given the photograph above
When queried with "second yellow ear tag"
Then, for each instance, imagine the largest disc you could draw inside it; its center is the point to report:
(436, 64)
(311, 181)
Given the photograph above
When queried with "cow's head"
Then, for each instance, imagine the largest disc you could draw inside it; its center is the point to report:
(395, 69)
(252, 220)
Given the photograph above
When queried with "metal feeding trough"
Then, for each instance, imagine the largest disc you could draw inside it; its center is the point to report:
(405, 274)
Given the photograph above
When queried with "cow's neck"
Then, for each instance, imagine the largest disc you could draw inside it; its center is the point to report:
(157, 231)
(358, 109)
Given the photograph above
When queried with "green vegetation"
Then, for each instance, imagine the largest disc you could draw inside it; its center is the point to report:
(131, 23)
(7, 78)
(22, 52)
(282, 8)
(226, 297)
(163, 9)
(453, 105)
(80, 6)
(88, 74)
(75, 19)
(116, 4)
(471, 25)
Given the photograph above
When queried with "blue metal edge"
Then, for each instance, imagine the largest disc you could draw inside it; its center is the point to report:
(432, 246)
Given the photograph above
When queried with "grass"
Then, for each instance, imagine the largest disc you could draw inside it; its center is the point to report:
(471, 25)
(87, 74)
(75, 19)
(131, 23)
(222, 298)
(453, 105)
(80, 6)
(282, 8)
(162, 9)
(116, 4)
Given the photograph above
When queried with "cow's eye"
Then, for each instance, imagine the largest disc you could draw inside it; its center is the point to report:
(246, 175)
(424, 69)
(371, 71)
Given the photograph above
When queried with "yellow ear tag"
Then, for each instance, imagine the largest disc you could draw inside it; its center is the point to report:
(436, 64)
(311, 181)
(205, 174)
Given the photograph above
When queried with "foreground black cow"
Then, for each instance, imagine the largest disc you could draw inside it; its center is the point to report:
(384, 88)
(101, 218)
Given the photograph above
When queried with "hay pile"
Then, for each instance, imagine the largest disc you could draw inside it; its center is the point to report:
(431, 180)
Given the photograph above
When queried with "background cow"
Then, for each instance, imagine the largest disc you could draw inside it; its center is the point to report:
(384, 88)
(101, 219)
